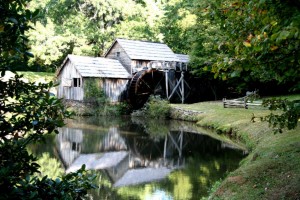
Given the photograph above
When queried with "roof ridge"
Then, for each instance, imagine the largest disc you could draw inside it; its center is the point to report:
(141, 41)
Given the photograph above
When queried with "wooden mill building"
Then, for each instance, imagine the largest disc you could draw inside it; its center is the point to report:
(77, 71)
(130, 69)
(134, 55)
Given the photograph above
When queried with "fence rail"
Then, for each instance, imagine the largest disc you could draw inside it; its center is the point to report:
(240, 103)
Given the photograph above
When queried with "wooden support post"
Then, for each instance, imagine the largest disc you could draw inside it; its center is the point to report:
(177, 85)
(165, 147)
(181, 142)
(167, 83)
(182, 87)
(245, 103)
(172, 86)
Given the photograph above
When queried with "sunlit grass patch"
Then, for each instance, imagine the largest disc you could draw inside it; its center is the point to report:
(38, 76)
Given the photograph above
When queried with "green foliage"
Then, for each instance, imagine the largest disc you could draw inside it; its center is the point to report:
(27, 113)
(257, 40)
(93, 91)
(49, 167)
(213, 190)
(178, 25)
(88, 27)
(13, 24)
(37, 76)
(156, 130)
(155, 107)
(26, 107)
(71, 186)
(289, 116)
(246, 43)
(118, 109)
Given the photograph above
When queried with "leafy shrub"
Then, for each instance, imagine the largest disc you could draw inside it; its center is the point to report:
(155, 107)
(93, 92)
(289, 117)
(114, 109)
(27, 113)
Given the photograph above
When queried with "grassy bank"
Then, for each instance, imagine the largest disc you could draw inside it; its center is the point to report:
(272, 169)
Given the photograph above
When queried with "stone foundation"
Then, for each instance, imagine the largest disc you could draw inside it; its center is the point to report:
(80, 108)
(187, 115)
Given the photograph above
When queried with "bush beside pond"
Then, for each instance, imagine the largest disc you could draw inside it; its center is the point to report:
(155, 108)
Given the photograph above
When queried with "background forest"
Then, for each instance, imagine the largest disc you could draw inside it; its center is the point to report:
(240, 43)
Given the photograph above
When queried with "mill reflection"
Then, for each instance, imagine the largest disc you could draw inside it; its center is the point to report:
(129, 157)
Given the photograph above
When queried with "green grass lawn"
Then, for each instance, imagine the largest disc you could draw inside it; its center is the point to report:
(35, 76)
(272, 168)
(234, 121)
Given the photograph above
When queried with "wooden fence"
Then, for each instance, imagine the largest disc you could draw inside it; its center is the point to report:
(243, 102)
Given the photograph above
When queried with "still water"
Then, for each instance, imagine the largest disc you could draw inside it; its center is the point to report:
(140, 159)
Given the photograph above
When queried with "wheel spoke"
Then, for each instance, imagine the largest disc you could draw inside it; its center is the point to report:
(142, 85)
(146, 84)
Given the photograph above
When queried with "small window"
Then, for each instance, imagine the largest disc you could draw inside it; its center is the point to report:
(75, 146)
(76, 82)
(118, 54)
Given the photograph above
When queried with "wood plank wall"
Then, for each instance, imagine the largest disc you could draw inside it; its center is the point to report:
(123, 57)
(66, 87)
(114, 89)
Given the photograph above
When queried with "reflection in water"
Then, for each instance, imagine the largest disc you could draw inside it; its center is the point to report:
(69, 143)
(146, 159)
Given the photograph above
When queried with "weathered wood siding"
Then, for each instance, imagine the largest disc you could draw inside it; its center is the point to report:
(66, 87)
(137, 65)
(117, 52)
(113, 88)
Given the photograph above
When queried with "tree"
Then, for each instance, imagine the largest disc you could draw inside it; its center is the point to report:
(88, 27)
(178, 24)
(27, 113)
(13, 24)
(258, 41)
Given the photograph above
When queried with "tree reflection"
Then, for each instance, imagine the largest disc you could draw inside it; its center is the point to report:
(200, 174)
(50, 166)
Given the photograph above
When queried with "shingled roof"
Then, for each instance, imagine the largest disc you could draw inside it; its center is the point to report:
(183, 58)
(97, 67)
(143, 50)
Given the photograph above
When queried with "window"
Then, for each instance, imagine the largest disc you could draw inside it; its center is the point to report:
(75, 146)
(76, 82)
(118, 54)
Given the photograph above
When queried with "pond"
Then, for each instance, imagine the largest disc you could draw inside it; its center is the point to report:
(140, 159)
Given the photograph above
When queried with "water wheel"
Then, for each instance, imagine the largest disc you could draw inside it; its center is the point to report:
(143, 84)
